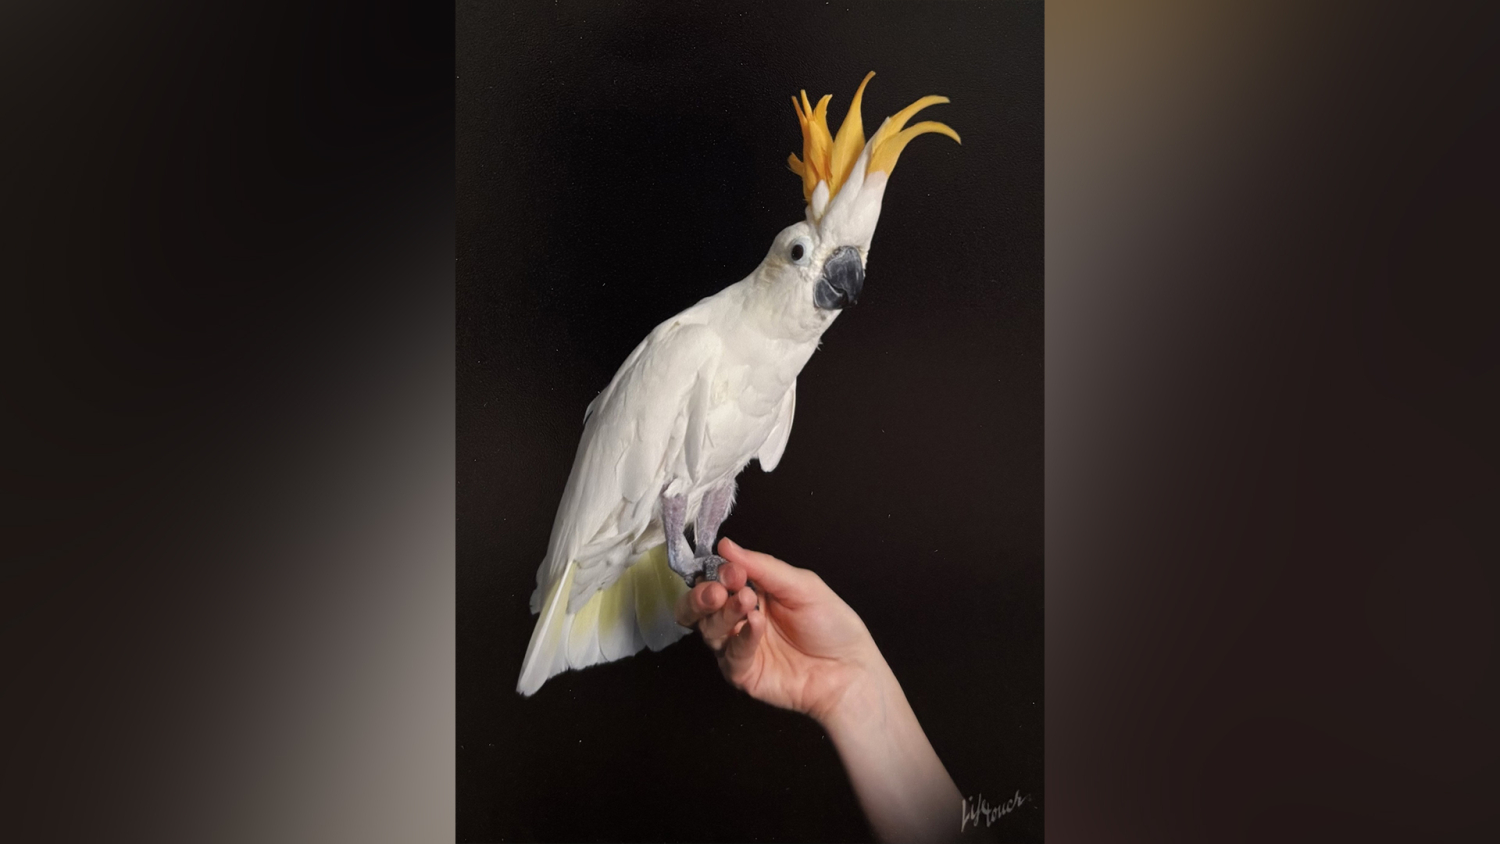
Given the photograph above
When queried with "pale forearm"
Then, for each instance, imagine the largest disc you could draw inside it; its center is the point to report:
(901, 784)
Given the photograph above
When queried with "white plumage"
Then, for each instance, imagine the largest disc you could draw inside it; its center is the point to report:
(706, 391)
(697, 400)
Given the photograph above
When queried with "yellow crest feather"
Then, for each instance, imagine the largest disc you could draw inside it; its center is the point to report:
(829, 158)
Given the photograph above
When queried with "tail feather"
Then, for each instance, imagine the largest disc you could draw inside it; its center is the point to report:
(634, 612)
(583, 638)
(548, 639)
(619, 635)
(656, 593)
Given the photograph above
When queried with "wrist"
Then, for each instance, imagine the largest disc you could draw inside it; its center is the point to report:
(869, 699)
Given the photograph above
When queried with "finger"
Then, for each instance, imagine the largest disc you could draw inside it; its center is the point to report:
(738, 655)
(699, 602)
(719, 626)
(733, 577)
(748, 600)
(787, 583)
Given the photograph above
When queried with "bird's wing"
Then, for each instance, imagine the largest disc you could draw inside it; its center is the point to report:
(775, 444)
(638, 431)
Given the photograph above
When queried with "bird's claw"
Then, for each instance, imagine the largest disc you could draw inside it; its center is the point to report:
(709, 568)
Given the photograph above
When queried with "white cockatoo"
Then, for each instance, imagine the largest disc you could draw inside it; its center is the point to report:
(706, 391)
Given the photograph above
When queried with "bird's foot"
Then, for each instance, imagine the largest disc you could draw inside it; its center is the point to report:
(709, 568)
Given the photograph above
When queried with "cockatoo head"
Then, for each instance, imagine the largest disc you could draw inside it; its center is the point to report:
(819, 264)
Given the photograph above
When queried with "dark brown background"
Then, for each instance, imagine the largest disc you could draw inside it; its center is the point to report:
(227, 588)
(616, 163)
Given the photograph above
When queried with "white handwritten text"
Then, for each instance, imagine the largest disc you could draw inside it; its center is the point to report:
(975, 808)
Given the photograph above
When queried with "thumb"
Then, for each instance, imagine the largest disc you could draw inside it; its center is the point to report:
(785, 582)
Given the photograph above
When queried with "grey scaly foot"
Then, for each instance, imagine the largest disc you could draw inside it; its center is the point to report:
(679, 554)
(711, 512)
(710, 570)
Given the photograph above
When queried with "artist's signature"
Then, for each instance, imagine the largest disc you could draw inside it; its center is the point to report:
(977, 807)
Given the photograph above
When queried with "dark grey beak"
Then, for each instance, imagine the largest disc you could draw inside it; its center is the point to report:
(843, 278)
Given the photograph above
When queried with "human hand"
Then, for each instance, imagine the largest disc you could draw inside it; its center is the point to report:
(781, 634)
(784, 637)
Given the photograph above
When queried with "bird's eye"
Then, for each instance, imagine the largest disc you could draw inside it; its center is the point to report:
(799, 251)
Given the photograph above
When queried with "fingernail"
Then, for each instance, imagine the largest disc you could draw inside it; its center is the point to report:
(731, 543)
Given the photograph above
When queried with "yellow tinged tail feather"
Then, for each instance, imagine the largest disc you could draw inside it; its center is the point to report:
(634, 612)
